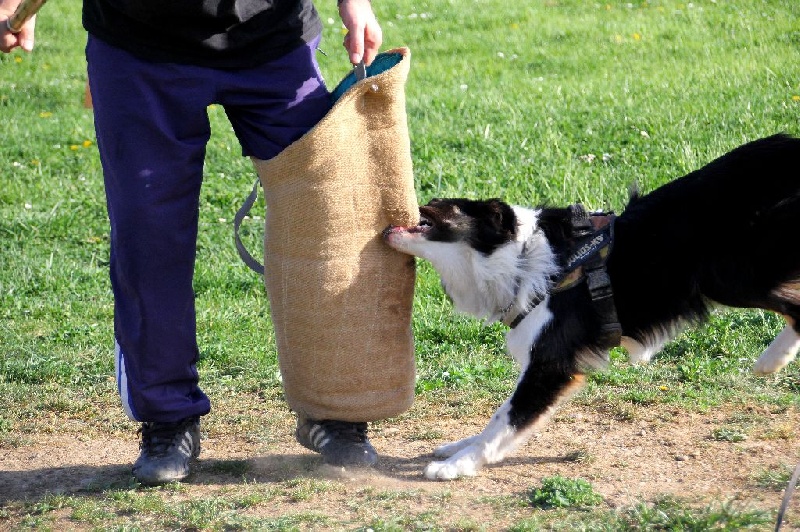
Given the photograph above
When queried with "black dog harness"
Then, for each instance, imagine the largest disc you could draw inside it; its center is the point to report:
(587, 261)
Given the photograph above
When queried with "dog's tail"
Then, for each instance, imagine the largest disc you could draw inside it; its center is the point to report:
(633, 193)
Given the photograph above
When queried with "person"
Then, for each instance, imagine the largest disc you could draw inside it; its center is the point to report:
(153, 68)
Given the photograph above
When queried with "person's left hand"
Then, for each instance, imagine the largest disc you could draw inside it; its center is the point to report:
(364, 35)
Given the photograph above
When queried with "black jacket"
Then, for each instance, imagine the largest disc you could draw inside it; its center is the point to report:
(212, 33)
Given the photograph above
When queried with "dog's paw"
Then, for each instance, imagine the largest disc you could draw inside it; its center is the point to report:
(449, 449)
(451, 469)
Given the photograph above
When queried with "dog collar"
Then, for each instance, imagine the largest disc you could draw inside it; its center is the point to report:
(533, 303)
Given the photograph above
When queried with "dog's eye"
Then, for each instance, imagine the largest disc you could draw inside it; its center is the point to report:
(424, 221)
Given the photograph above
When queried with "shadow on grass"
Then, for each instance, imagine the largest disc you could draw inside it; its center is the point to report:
(34, 485)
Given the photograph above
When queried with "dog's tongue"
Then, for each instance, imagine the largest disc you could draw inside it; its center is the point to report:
(394, 229)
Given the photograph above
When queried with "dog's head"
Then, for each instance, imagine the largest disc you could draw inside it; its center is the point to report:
(489, 255)
(483, 225)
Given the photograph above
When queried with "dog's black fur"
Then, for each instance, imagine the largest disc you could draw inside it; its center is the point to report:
(726, 234)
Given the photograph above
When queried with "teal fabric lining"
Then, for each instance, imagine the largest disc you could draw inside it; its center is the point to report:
(381, 63)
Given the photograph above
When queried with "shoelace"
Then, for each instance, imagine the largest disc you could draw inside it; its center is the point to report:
(159, 438)
(356, 432)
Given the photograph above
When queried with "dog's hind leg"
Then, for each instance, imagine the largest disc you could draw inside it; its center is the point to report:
(508, 429)
(643, 352)
(781, 351)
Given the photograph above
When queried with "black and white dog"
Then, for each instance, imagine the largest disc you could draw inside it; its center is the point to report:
(572, 285)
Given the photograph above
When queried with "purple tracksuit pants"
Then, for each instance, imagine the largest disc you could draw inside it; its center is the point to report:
(152, 129)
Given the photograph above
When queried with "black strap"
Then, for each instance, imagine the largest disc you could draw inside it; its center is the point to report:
(599, 284)
(537, 299)
(245, 255)
(591, 254)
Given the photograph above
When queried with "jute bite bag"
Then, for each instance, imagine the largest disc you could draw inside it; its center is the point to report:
(340, 298)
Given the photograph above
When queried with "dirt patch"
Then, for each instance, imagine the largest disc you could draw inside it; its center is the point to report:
(655, 453)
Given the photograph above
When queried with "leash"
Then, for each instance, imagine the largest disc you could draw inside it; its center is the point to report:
(245, 255)
(787, 496)
(360, 73)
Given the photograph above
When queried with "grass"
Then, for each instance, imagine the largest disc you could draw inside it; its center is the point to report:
(560, 492)
(143, 510)
(775, 478)
(537, 102)
(665, 514)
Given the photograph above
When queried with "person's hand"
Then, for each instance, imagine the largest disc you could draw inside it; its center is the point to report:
(364, 35)
(8, 40)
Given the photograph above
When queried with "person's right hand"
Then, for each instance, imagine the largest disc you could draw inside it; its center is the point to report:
(23, 39)
(364, 34)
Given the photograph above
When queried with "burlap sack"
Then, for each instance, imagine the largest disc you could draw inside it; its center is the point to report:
(340, 297)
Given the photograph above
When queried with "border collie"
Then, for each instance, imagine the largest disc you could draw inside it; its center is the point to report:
(572, 285)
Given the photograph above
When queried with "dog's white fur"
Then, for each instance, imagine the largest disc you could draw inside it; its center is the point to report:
(780, 352)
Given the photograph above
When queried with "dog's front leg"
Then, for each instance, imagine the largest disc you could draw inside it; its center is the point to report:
(467, 456)
(511, 425)
(449, 449)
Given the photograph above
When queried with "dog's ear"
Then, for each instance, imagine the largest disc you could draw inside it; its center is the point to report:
(492, 223)
(503, 216)
(556, 224)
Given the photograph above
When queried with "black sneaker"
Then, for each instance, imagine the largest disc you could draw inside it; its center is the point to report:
(166, 451)
(341, 443)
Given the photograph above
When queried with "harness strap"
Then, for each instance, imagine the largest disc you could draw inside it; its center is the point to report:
(599, 284)
(588, 261)
(522, 315)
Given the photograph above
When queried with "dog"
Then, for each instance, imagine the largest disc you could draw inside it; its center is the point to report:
(571, 284)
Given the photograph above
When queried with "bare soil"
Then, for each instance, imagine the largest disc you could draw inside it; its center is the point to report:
(653, 453)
